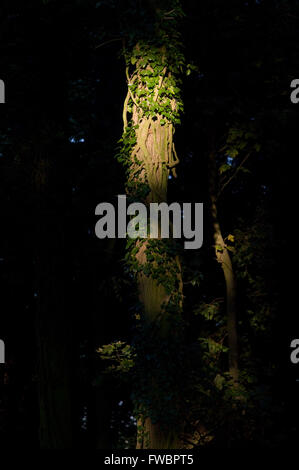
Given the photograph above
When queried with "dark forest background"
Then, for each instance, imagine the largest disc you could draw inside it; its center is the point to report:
(65, 293)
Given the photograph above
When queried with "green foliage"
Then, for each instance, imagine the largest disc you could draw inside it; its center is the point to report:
(159, 264)
(241, 141)
(252, 250)
(208, 311)
(150, 62)
(119, 355)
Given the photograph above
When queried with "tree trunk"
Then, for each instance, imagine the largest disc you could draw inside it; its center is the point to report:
(50, 177)
(153, 436)
(152, 104)
(53, 335)
(223, 257)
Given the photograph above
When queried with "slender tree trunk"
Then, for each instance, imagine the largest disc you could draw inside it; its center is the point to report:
(223, 257)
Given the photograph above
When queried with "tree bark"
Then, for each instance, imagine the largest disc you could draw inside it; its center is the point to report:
(151, 160)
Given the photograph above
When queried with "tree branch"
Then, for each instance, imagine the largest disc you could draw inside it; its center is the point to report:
(235, 173)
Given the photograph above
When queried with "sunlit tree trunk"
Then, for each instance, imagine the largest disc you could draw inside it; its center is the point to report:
(150, 113)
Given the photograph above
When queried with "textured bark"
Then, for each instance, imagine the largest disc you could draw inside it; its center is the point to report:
(151, 108)
(156, 157)
(153, 296)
